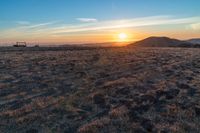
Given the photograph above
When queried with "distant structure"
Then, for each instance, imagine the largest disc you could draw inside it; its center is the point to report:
(20, 44)
(36, 45)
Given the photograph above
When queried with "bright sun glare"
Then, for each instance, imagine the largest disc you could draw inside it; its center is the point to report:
(122, 36)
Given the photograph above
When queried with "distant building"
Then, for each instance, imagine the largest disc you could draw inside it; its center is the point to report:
(20, 44)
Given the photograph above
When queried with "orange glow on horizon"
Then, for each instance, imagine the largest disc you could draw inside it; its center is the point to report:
(119, 36)
(122, 37)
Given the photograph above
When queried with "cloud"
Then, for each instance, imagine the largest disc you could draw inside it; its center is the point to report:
(195, 26)
(23, 22)
(39, 25)
(57, 28)
(27, 30)
(87, 19)
(127, 23)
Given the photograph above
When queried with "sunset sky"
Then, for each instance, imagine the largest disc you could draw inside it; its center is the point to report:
(81, 21)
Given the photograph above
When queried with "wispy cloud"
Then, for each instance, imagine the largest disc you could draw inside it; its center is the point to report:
(39, 25)
(127, 23)
(87, 19)
(195, 26)
(23, 22)
(27, 30)
(57, 28)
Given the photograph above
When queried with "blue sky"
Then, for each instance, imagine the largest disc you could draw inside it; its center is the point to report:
(28, 19)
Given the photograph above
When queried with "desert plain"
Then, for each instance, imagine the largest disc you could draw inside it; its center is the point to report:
(100, 90)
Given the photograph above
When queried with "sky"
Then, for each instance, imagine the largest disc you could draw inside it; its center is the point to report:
(94, 21)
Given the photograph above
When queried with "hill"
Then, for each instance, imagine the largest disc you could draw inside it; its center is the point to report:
(161, 42)
(194, 41)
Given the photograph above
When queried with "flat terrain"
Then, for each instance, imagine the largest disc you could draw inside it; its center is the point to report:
(116, 90)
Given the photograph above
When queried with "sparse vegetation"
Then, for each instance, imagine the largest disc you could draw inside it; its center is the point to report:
(100, 90)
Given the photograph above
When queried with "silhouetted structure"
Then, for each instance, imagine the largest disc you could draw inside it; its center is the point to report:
(20, 44)
(36, 45)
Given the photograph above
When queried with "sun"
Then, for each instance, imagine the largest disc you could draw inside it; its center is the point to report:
(122, 36)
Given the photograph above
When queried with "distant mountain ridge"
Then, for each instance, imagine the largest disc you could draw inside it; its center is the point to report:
(194, 40)
(104, 44)
(161, 42)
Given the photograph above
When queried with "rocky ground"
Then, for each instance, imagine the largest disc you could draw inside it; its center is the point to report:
(115, 90)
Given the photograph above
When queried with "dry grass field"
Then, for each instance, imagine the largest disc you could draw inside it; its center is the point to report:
(107, 90)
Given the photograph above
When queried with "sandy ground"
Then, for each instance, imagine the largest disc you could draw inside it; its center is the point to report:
(117, 90)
